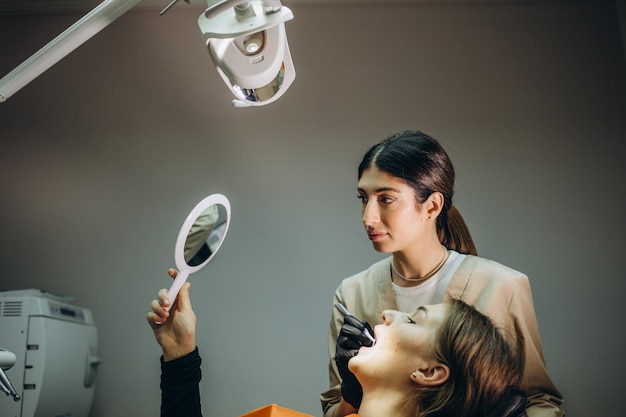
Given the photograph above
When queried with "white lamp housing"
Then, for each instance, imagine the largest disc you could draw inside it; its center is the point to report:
(247, 42)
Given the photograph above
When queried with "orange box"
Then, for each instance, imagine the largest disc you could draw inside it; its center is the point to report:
(274, 410)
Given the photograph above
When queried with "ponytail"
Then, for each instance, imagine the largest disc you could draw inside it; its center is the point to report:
(453, 232)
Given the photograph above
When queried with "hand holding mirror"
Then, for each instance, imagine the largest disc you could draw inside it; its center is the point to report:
(199, 238)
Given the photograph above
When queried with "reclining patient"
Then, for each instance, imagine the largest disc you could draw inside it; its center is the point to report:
(443, 360)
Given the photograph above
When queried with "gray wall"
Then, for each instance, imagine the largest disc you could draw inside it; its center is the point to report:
(103, 155)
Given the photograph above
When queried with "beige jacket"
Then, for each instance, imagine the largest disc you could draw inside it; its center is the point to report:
(494, 289)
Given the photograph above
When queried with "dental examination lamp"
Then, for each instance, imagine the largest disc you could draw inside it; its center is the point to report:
(248, 45)
(246, 41)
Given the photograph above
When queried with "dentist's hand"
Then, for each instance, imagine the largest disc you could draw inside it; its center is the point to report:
(350, 339)
(175, 331)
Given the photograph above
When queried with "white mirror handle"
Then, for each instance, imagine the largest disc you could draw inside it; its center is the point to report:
(181, 278)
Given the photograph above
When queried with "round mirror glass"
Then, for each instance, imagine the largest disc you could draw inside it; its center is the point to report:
(205, 235)
(200, 237)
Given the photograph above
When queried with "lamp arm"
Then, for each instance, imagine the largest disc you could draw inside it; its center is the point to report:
(269, 6)
(7, 360)
(7, 387)
(55, 50)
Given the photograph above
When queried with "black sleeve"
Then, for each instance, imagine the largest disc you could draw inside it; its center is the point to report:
(180, 393)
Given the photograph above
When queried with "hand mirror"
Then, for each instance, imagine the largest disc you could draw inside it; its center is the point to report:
(199, 238)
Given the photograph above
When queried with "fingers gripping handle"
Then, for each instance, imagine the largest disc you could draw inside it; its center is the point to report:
(181, 278)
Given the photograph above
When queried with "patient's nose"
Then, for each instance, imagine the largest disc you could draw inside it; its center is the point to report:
(389, 316)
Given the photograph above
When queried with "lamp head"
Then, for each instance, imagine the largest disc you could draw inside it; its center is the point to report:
(248, 45)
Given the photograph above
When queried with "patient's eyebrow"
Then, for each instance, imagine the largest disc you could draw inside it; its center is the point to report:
(421, 309)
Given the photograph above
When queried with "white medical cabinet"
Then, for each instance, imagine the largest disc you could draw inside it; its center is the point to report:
(55, 344)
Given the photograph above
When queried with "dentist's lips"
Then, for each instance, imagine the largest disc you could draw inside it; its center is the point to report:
(376, 236)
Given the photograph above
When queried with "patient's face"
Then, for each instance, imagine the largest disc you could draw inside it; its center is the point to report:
(403, 345)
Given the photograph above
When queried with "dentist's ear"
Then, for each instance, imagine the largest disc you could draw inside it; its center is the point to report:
(434, 204)
(431, 376)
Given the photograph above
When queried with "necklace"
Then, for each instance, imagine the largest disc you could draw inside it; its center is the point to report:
(425, 277)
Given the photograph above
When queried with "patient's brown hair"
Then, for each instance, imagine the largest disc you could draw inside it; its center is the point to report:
(482, 364)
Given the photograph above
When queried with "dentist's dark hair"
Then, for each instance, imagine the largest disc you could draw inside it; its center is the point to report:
(422, 163)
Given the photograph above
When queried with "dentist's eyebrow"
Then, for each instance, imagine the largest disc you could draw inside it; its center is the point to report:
(379, 190)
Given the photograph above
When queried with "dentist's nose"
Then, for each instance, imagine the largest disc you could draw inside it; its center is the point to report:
(370, 215)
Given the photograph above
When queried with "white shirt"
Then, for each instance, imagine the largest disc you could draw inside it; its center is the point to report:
(432, 290)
